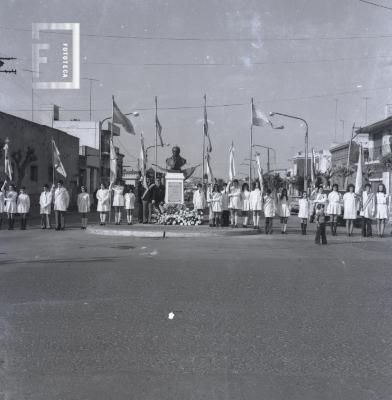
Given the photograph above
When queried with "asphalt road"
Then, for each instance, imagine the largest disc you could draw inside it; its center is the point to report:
(257, 317)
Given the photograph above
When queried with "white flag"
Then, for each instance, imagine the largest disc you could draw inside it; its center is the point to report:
(259, 171)
(312, 169)
(259, 118)
(7, 161)
(113, 163)
(231, 163)
(143, 161)
(57, 164)
(358, 178)
(210, 176)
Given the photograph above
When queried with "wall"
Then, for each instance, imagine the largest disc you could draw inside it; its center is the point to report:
(86, 131)
(24, 134)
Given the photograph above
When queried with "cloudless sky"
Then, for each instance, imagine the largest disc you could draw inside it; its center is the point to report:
(310, 52)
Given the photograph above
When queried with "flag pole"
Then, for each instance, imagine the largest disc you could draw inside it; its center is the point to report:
(110, 181)
(349, 153)
(52, 162)
(156, 137)
(204, 141)
(251, 144)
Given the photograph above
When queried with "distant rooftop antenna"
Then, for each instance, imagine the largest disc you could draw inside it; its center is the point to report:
(388, 110)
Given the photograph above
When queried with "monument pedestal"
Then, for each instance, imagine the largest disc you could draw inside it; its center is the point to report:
(174, 193)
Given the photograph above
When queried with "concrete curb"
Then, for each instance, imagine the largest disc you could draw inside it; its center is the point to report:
(162, 233)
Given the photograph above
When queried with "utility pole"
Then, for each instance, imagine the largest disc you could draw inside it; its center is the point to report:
(32, 91)
(343, 122)
(366, 109)
(7, 71)
(91, 88)
(336, 117)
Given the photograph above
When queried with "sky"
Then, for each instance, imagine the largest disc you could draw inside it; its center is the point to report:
(299, 57)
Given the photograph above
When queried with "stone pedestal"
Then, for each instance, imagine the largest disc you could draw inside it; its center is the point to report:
(174, 193)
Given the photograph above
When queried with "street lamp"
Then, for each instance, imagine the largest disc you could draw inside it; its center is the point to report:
(154, 146)
(133, 114)
(251, 144)
(268, 154)
(306, 143)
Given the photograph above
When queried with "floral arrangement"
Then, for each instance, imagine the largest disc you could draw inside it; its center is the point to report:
(176, 214)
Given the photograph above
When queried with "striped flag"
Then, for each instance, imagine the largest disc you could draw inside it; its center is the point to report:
(231, 162)
(312, 169)
(7, 161)
(143, 161)
(359, 176)
(119, 118)
(259, 171)
(113, 162)
(158, 125)
(159, 130)
(210, 176)
(205, 126)
(259, 118)
(57, 164)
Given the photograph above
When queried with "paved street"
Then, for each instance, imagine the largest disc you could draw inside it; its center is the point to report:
(255, 317)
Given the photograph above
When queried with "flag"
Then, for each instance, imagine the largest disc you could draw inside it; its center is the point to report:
(159, 129)
(312, 169)
(259, 118)
(7, 161)
(188, 172)
(358, 178)
(210, 176)
(113, 163)
(57, 164)
(120, 118)
(158, 125)
(205, 126)
(143, 161)
(231, 163)
(259, 171)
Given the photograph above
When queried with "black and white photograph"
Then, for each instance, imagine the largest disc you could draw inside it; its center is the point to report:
(195, 199)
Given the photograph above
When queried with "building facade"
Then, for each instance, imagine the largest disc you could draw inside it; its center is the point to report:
(379, 138)
(30, 148)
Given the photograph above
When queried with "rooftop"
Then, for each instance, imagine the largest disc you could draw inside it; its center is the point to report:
(376, 126)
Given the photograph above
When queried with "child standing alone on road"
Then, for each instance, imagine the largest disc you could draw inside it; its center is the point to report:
(83, 206)
(321, 237)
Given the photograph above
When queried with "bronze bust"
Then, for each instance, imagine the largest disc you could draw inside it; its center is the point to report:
(175, 162)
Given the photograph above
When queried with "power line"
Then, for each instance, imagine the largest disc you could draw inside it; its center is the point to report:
(251, 63)
(217, 39)
(316, 96)
(375, 4)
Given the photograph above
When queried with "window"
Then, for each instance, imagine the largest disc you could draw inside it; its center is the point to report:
(34, 173)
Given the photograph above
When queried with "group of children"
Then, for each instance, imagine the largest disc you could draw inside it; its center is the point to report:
(367, 205)
(231, 202)
(226, 205)
(234, 202)
(13, 203)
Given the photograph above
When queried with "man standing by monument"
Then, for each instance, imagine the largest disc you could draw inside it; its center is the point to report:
(147, 202)
(158, 195)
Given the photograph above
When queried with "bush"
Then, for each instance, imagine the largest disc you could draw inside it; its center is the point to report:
(176, 214)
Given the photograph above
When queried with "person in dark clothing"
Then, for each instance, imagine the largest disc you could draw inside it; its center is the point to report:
(320, 219)
(158, 195)
(147, 203)
(139, 194)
